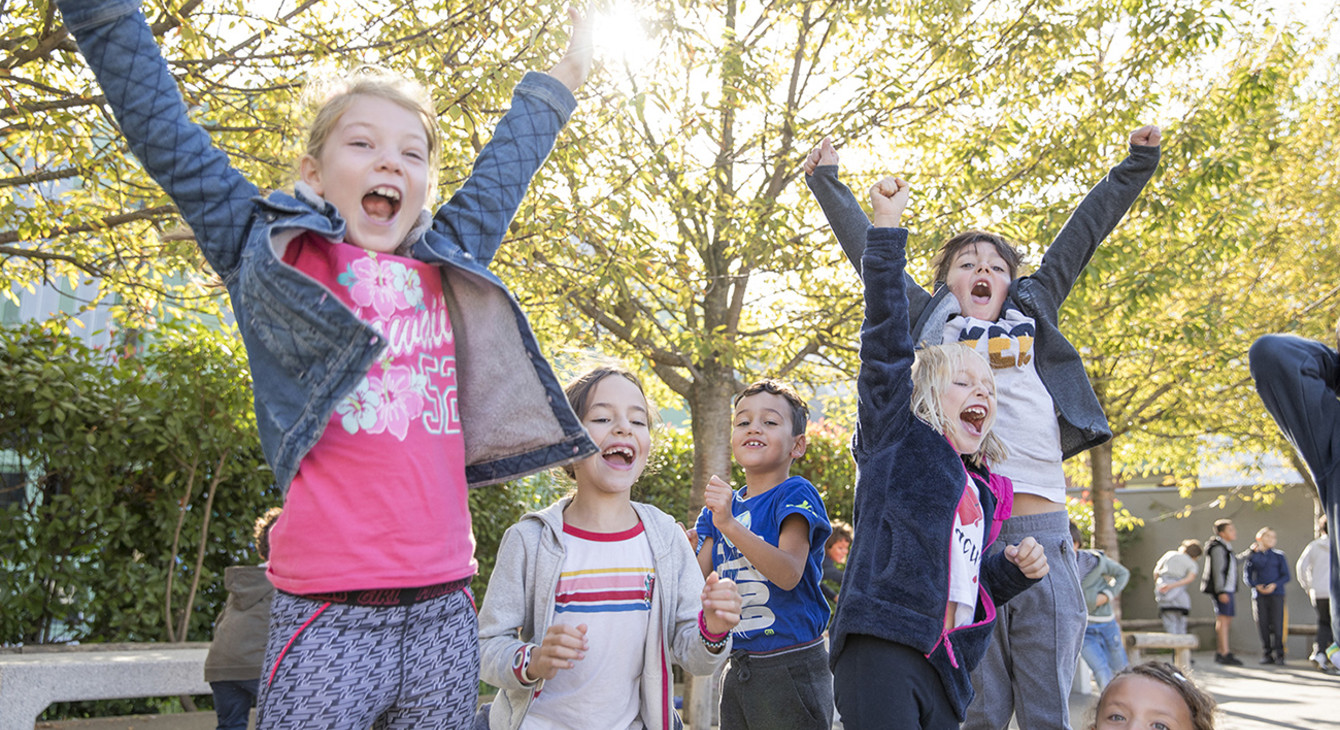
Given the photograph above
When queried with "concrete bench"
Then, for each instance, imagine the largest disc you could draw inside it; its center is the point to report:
(33, 678)
(1181, 644)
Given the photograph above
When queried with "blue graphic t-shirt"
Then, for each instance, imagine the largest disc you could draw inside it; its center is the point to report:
(772, 618)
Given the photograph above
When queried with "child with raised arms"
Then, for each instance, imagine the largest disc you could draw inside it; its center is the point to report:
(593, 597)
(920, 592)
(391, 369)
(1048, 410)
(769, 536)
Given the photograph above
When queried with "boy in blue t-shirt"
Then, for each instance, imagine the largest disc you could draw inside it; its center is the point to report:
(769, 538)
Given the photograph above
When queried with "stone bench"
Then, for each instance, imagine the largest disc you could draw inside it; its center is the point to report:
(34, 677)
(1181, 644)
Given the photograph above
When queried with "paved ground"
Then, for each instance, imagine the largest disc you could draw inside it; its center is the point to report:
(1251, 697)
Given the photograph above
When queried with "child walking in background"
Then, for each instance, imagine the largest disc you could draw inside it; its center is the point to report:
(1102, 580)
(233, 664)
(1314, 576)
(1172, 574)
(769, 538)
(1153, 695)
(1266, 570)
(592, 597)
(1048, 411)
(920, 593)
(1299, 381)
(355, 307)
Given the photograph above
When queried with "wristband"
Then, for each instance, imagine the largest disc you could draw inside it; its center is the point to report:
(521, 662)
(714, 642)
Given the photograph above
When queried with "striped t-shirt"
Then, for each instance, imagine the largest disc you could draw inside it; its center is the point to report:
(606, 583)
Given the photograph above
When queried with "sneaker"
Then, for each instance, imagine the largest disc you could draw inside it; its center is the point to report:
(1267, 660)
(1333, 655)
(1228, 659)
(1319, 660)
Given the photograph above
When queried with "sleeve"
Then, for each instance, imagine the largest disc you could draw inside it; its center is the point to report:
(804, 499)
(1003, 579)
(1285, 577)
(1119, 575)
(1100, 212)
(1304, 567)
(505, 620)
(686, 646)
(850, 225)
(1298, 381)
(884, 384)
(213, 197)
(478, 214)
(705, 528)
(1249, 570)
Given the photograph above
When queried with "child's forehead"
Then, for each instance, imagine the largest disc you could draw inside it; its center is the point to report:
(764, 401)
(978, 249)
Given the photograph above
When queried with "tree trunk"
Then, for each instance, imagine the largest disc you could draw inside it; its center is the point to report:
(711, 421)
(1104, 494)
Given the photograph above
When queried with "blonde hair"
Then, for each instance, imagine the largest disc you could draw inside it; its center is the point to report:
(331, 92)
(932, 372)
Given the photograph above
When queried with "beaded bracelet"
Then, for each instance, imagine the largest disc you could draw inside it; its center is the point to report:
(714, 642)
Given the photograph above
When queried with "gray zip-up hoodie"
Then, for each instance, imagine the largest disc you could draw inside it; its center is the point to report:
(519, 606)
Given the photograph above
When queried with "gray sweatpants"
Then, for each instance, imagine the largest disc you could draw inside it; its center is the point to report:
(1029, 666)
(357, 667)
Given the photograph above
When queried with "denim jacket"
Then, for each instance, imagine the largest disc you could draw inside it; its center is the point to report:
(306, 349)
(909, 481)
(1039, 295)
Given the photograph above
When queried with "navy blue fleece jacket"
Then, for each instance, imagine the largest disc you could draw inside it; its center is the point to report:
(908, 484)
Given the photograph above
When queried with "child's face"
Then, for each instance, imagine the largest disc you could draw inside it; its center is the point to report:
(969, 405)
(838, 552)
(1132, 701)
(979, 279)
(1267, 539)
(761, 437)
(374, 170)
(617, 421)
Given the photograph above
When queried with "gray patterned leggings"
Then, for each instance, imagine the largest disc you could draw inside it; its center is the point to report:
(342, 666)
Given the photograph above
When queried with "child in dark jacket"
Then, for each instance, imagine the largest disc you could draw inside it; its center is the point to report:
(920, 594)
(1266, 570)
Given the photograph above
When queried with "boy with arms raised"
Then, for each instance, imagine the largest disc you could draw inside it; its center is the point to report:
(769, 538)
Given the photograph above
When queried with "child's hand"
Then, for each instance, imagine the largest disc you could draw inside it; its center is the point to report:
(717, 496)
(888, 198)
(1029, 558)
(575, 65)
(562, 648)
(721, 604)
(824, 154)
(1147, 136)
(692, 535)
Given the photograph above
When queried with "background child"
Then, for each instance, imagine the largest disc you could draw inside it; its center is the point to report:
(1314, 576)
(769, 538)
(1048, 410)
(1153, 695)
(1174, 571)
(605, 591)
(354, 305)
(233, 664)
(1266, 570)
(1102, 580)
(835, 559)
(920, 594)
(1220, 583)
(1299, 381)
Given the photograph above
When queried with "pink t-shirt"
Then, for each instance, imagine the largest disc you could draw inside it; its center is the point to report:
(380, 501)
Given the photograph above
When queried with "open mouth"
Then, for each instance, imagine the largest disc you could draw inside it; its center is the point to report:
(754, 444)
(618, 456)
(981, 292)
(382, 203)
(973, 418)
